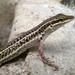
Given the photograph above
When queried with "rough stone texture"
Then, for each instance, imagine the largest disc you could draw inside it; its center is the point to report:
(58, 47)
(6, 18)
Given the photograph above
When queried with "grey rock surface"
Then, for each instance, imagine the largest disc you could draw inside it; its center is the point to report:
(58, 47)
(6, 18)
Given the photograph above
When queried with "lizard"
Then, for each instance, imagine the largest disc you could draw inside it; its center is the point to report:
(34, 36)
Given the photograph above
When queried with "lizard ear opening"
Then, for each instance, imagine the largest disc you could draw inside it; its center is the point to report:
(41, 37)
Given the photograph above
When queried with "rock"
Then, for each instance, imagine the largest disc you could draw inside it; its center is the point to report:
(58, 47)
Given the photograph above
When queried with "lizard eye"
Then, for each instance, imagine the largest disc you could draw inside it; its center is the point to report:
(61, 19)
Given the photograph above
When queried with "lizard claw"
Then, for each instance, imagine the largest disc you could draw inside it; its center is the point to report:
(50, 63)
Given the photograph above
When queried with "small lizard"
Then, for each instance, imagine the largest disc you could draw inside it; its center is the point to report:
(32, 37)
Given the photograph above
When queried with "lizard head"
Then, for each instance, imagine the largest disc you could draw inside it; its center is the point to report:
(61, 19)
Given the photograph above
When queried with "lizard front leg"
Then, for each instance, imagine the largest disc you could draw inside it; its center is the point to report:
(42, 55)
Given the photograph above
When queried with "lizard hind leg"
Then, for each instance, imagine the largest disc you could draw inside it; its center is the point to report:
(44, 59)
